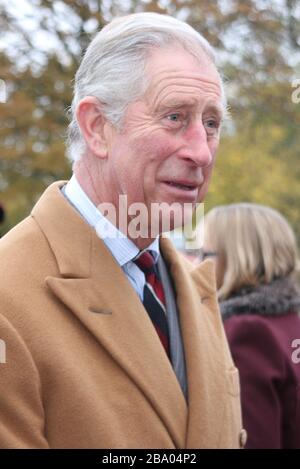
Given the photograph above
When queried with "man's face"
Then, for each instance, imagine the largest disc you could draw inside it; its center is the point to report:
(166, 149)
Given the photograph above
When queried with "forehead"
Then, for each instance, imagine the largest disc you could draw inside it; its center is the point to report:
(174, 74)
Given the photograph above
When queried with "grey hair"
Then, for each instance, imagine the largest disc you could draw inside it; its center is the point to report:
(112, 68)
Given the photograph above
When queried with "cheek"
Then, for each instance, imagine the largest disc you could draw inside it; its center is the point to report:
(213, 146)
(207, 172)
(156, 148)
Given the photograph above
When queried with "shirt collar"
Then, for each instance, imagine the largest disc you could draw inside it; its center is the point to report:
(121, 247)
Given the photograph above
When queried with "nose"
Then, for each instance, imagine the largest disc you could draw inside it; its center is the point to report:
(196, 146)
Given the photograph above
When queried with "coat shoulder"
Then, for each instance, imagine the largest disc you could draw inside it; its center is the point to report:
(26, 260)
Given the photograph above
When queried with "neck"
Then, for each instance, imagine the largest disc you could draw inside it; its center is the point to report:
(85, 174)
(116, 213)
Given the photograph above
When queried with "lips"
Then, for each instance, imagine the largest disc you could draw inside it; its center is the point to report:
(182, 190)
(183, 185)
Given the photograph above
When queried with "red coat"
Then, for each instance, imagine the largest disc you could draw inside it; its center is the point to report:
(269, 365)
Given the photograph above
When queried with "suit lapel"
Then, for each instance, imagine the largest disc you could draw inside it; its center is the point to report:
(202, 336)
(94, 288)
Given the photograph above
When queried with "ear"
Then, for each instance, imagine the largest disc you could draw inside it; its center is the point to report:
(92, 125)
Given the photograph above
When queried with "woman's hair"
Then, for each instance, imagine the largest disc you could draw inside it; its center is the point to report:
(113, 65)
(254, 243)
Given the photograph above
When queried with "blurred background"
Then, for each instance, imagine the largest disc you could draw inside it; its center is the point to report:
(258, 48)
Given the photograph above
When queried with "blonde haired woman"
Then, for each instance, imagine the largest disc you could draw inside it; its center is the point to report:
(256, 262)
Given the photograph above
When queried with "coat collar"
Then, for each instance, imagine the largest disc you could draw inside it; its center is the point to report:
(93, 286)
(273, 299)
(204, 345)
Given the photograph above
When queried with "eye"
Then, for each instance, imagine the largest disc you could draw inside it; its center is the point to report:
(211, 123)
(175, 120)
(174, 117)
(212, 126)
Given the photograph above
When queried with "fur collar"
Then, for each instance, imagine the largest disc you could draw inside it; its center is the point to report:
(276, 298)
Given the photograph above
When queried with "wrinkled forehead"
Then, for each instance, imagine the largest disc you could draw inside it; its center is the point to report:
(175, 74)
(183, 88)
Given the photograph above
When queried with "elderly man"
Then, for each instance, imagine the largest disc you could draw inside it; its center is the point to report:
(112, 339)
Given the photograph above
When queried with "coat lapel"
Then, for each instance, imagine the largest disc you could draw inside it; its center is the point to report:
(202, 334)
(94, 288)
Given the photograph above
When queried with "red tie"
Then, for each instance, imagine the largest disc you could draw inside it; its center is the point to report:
(154, 297)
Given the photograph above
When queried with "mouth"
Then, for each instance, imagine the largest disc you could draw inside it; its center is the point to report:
(183, 189)
(183, 185)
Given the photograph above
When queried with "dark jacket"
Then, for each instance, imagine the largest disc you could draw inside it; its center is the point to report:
(262, 326)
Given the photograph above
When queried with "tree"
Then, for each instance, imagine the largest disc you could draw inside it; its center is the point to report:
(33, 122)
(257, 43)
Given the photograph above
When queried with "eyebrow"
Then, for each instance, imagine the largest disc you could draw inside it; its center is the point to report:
(215, 109)
(175, 104)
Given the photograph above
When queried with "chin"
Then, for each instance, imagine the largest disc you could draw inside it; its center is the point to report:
(170, 219)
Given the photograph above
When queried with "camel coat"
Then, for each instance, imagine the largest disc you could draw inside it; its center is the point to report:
(84, 367)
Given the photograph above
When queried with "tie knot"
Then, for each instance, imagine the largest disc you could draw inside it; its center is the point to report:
(146, 262)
